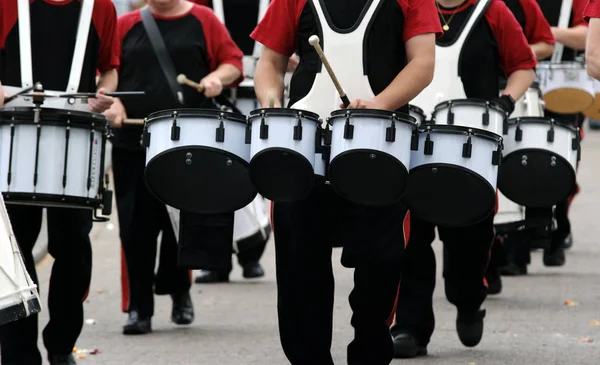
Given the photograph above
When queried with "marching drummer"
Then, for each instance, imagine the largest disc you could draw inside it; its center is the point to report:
(592, 50)
(496, 39)
(399, 64)
(216, 63)
(53, 21)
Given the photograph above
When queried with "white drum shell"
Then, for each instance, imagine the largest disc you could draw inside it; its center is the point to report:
(251, 219)
(281, 135)
(448, 149)
(555, 76)
(470, 115)
(51, 160)
(197, 131)
(370, 133)
(535, 136)
(529, 105)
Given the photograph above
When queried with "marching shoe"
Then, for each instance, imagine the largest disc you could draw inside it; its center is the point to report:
(513, 269)
(555, 257)
(469, 327)
(253, 270)
(494, 281)
(568, 242)
(56, 359)
(406, 346)
(136, 325)
(209, 277)
(183, 309)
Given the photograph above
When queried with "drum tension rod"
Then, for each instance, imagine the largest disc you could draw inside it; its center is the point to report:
(428, 144)
(390, 132)
(467, 148)
(518, 131)
(497, 156)
(220, 131)
(348, 128)
(248, 137)
(10, 154)
(550, 136)
(175, 129)
(298, 129)
(485, 118)
(264, 128)
(450, 118)
(66, 159)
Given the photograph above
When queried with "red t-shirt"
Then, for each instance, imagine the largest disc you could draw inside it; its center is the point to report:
(278, 29)
(201, 2)
(578, 9)
(592, 10)
(537, 29)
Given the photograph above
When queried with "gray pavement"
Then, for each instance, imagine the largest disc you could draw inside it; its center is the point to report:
(528, 324)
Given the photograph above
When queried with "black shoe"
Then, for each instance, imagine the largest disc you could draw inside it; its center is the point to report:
(513, 269)
(406, 346)
(253, 270)
(555, 257)
(469, 327)
(494, 285)
(209, 277)
(56, 359)
(568, 242)
(136, 325)
(183, 309)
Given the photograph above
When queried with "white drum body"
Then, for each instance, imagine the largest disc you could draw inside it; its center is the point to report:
(370, 154)
(472, 113)
(539, 162)
(417, 113)
(283, 150)
(529, 105)
(566, 86)
(453, 174)
(18, 294)
(250, 220)
(197, 160)
(56, 162)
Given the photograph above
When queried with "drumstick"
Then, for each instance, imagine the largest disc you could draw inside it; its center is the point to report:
(13, 97)
(113, 94)
(133, 121)
(183, 80)
(314, 41)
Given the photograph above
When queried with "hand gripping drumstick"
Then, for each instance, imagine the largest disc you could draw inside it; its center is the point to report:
(183, 80)
(314, 41)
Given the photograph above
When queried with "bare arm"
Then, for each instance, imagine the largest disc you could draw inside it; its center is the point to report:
(542, 50)
(269, 75)
(518, 83)
(2, 95)
(592, 51)
(418, 73)
(109, 80)
(572, 37)
(227, 73)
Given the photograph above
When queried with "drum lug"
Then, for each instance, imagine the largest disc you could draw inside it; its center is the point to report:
(428, 150)
(505, 125)
(328, 135)
(348, 128)
(450, 119)
(264, 128)
(107, 200)
(298, 129)
(485, 118)
(175, 129)
(518, 133)
(575, 144)
(496, 157)
(414, 141)
(550, 135)
(467, 148)
(390, 132)
(248, 133)
(146, 138)
(220, 133)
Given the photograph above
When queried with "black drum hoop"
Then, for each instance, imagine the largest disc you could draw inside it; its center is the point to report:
(374, 113)
(417, 110)
(54, 117)
(468, 102)
(52, 200)
(168, 114)
(456, 129)
(283, 112)
(544, 120)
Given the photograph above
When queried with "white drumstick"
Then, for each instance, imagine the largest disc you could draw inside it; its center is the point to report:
(314, 41)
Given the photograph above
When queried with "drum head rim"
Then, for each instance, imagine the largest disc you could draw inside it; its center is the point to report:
(543, 120)
(54, 117)
(283, 112)
(459, 129)
(549, 65)
(415, 108)
(398, 116)
(468, 102)
(195, 112)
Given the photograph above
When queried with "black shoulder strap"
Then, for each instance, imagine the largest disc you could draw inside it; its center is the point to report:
(158, 44)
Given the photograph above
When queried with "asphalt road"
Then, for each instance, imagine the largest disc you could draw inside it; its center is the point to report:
(236, 323)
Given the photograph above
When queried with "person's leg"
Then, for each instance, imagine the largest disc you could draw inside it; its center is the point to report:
(18, 340)
(497, 260)
(555, 254)
(250, 252)
(374, 242)
(415, 320)
(466, 253)
(305, 283)
(69, 244)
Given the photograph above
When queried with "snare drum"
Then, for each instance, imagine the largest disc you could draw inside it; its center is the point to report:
(370, 155)
(539, 163)
(56, 162)
(18, 294)
(567, 87)
(283, 148)
(472, 113)
(417, 113)
(197, 160)
(453, 174)
(530, 104)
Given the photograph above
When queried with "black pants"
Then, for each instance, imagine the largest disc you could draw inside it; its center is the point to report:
(141, 218)
(69, 244)
(466, 255)
(373, 240)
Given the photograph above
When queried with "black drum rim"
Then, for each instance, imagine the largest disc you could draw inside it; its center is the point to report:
(167, 115)
(373, 113)
(462, 130)
(283, 112)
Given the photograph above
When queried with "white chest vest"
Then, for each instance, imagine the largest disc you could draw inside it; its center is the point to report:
(345, 55)
(446, 84)
(83, 30)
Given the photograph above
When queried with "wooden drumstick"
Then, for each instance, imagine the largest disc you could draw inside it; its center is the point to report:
(183, 80)
(314, 41)
(133, 121)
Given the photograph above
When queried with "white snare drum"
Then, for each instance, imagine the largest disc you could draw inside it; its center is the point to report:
(567, 87)
(197, 160)
(18, 294)
(539, 163)
(370, 155)
(282, 151)
(453, 174)
(58, 161)
(417, 113)
(530, 104)
(251, 226)
(472, 113)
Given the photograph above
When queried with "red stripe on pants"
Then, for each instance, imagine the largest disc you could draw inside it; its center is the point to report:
(124, 283)
(391, 319)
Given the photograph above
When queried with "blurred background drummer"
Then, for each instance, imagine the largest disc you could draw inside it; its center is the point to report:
(496, 39)
(52, 22)
(216, 62)
(592, 49)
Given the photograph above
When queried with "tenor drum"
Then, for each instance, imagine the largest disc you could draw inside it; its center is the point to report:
(530, 104)
(417, 113)
(539, 163)
(283, 150)
(472, 113)
(370, 155)
(453, 174)
(197, 160)
(567, 87)
(593, 111)
(18, 294)
(57, 161)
